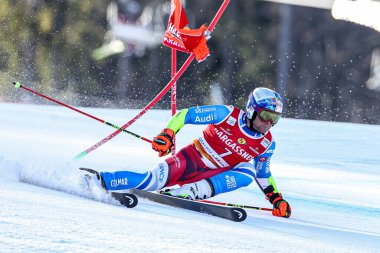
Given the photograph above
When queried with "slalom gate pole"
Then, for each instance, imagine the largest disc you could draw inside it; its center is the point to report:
(236, 205)
(162, 92)
(174, 93)
(19, 85)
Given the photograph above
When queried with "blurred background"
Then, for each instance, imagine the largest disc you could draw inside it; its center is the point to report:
(103, 53)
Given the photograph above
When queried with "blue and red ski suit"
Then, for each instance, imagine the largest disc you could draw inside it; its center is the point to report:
(228, 154)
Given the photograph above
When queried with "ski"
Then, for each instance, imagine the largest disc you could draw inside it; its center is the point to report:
(225, 212)
(128, 200)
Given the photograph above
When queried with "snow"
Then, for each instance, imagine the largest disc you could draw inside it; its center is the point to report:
(329, 173)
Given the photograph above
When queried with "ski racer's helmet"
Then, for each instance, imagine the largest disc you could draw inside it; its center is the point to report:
(265, 103)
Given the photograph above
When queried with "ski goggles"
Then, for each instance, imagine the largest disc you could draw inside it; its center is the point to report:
(269, 116)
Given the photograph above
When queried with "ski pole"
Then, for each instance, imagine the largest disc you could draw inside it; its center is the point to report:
(236, 205)
(19, 85)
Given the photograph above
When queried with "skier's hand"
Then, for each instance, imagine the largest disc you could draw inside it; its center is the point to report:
(163, 142)
(281, 207)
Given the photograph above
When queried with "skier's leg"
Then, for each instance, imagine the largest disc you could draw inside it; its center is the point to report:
(169, 172)
(239, 176)
(198, 190)
(150, 180)
(183, 168)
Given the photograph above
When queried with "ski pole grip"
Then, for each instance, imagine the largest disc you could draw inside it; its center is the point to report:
(17, 85)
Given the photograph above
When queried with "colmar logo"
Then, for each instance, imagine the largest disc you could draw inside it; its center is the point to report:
(120, 181)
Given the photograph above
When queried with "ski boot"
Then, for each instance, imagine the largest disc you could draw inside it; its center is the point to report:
(92, 181)
(199, 190)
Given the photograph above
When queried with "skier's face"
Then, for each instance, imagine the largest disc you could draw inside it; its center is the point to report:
(261, 126)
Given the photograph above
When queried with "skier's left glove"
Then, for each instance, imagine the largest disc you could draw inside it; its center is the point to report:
(163, 142)
(281, 207)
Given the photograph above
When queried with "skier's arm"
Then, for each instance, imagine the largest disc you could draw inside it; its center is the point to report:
(212, 114)
(201, 115)
(266, 182)
(264, 177)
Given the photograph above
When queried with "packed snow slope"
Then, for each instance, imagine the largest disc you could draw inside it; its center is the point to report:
(329, 173)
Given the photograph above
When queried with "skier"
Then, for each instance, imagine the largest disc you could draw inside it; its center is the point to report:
(234, 150)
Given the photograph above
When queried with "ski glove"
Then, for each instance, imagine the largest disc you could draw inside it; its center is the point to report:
(163, 142)
(281, 207)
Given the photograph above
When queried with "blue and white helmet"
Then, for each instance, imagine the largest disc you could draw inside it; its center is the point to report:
(263, 98)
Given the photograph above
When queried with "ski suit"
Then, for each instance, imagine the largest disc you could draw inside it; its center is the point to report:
(228, 154)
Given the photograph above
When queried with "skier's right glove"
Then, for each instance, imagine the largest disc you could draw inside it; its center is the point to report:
(281, 207)
(163, 142)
